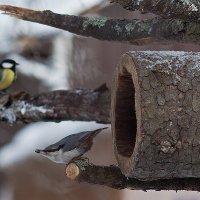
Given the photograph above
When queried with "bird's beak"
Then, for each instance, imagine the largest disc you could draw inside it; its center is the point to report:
(17, 63)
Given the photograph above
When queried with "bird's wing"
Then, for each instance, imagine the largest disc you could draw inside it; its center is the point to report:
(56, 146)
(76, 139)
(1, 76)
(72, 141)
(69, 142)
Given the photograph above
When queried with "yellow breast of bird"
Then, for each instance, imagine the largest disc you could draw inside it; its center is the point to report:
(8, 76)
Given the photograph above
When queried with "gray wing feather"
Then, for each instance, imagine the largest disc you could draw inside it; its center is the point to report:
(1, 76)
(72, 141)
(76, 139)
(68, 143)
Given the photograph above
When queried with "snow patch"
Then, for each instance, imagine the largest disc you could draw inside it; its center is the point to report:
(165, 59)
(191, 6)
(24, 108)
(9, 114)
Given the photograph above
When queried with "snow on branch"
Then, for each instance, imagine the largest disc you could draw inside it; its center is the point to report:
(111, 176)
(180, 9)
(78, 104)
(134, 31)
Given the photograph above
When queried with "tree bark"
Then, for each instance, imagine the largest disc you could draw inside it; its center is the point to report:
(111, 176)
(134, 31)
(78, 104)
(155, 115)
(187, 10)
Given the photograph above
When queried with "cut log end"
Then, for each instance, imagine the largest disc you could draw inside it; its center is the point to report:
(72, 171)
(125, 110)
(155, 115)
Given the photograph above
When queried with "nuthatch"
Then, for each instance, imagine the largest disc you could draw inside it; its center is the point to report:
(70, 147)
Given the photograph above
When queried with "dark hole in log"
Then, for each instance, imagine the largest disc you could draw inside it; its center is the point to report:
(125, 115)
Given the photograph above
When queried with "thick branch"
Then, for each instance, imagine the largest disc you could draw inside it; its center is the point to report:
(134, 31)
(179, 9)
(111, 176)
(80, 104)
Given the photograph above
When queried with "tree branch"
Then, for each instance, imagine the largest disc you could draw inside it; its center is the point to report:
(79, 104)
(111, 176)
(187, 10)
(133, 31)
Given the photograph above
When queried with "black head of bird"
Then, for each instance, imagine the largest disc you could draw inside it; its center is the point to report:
(7, 73)
(70, 147)
(8, 64)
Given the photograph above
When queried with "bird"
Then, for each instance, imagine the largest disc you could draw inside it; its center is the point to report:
(71, 147)
(7, 74)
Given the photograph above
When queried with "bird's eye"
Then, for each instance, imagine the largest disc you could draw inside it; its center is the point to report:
(7, 65)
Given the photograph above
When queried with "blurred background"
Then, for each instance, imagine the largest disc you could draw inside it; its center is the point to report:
(54, 59)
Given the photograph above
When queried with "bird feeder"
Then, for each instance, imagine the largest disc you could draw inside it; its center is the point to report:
(155, 114)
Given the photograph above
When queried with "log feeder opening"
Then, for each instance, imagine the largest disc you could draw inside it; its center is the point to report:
(155, 113)
(125, 115)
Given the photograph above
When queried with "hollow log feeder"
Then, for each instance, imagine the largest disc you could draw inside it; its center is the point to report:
(155, 115)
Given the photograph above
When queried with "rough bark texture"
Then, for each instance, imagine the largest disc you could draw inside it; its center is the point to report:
(180, 9)
(78, 104)
(111, 176)
(156, 115)
(134, 31)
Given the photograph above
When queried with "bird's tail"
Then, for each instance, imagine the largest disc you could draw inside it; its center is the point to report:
(95, 132)
(87, 141)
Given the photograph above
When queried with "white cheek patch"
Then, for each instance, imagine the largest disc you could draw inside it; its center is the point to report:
(7, 65)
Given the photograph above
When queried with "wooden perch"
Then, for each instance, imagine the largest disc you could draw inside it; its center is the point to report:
(187, 10)
(155, 114)
(77, 104)
(111, 176)
(134, 31)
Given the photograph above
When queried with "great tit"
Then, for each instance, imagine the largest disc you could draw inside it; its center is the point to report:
(7, 73)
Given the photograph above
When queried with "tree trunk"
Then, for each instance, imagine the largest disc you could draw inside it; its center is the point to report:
(156, 115)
